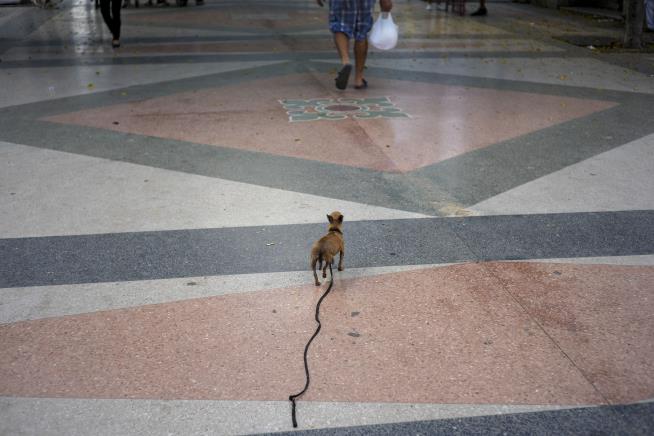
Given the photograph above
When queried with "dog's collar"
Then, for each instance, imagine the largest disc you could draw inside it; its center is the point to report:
(335, 230)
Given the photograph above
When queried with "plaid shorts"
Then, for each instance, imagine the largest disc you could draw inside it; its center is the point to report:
(352, 17)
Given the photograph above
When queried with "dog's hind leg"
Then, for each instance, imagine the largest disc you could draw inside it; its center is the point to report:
(314, 260)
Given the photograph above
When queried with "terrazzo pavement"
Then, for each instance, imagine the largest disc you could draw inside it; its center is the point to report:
(158, 203)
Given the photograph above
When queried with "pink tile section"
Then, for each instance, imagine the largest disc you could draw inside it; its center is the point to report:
(447, 121)
(601, 316)
(444, 335)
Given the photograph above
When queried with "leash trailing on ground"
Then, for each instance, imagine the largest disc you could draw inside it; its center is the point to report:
(306, 349)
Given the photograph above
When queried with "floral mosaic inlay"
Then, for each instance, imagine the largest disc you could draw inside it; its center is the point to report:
(341, 109)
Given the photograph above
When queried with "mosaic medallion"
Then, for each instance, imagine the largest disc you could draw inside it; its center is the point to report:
(341, 109)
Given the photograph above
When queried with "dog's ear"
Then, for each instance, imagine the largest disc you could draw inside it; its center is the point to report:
(330, 219)
(340, 219)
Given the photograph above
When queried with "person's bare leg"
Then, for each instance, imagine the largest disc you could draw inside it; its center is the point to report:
(360, 55)
(343, 46)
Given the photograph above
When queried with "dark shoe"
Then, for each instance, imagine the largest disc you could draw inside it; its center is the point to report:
(115, 43)
(199, 2)
(363, 85)
(479, 12)
(343, 76)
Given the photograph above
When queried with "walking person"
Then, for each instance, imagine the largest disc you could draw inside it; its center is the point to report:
(111, 14)
(352, 19)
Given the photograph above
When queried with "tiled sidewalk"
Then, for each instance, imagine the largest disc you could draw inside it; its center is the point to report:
(158, 203)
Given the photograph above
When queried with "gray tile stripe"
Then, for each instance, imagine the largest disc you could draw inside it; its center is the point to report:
(281, 56)
(634, 419)
(222, 38)
(158, 255)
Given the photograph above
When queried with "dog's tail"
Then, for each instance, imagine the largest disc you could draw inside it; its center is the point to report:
(315, 258)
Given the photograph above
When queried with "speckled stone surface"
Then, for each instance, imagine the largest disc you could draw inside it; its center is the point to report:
(587, 421)
(158, 202)
(197, 252)
(604, 326)
(464, 119)
(396, 337)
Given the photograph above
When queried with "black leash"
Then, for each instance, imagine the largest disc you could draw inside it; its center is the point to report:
(306, 365)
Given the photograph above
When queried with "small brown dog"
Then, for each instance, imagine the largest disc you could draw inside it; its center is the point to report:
(326, 248)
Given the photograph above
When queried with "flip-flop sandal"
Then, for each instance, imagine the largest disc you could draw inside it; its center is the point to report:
(364, 85)
(343, 76)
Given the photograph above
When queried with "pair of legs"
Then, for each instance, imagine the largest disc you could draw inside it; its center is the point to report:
(360, 54)
(329, 263)
(111, 14)
(351, 19)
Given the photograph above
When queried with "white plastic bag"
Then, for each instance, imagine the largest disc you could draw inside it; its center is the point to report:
(384, 32)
